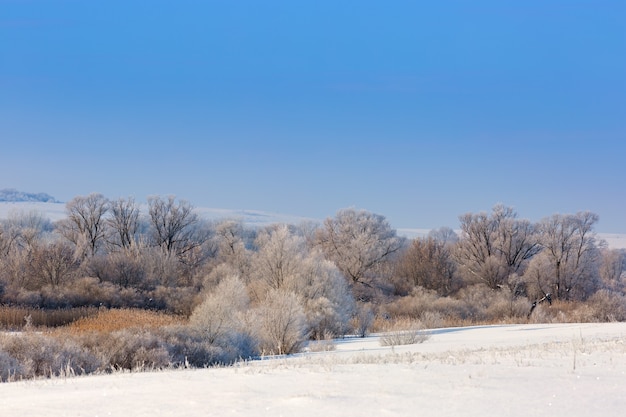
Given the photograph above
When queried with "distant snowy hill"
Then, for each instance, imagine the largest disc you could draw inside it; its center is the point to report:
(53, 211)
(13, 195)
(56, 211)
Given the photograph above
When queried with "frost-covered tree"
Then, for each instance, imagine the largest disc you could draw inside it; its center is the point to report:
(174, 225)
(124, 222)
(359, 243)
(51, 264)
(613, 270)
(326, 297)
(495, 248)
(9, 238)
(282, 326)
(444, 235)
(569, 249)
(476, 253)
(28, 227)
(283, 261)
(220, 317)
(85, 224)
(278, 261)
(516, 239)
(231, 238)
(427, 263)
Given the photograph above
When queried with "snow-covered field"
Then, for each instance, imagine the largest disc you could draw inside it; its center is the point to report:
(56, 211)
(515, 370)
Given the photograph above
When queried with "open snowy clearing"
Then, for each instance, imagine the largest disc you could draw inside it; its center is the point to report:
(514, 370)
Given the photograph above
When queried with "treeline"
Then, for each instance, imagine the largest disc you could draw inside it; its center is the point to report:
(238, 292)
(110, 253)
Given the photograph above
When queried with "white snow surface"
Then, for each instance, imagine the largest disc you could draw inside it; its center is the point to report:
(505, 370)
(56, 211)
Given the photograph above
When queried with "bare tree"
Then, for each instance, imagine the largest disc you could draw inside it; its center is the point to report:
(476, 252)
(445, 235)
(9, 237)
(14, 267)
(569, 246)
(359, 243)
(516, 239)
(279, 258)
(231, 242)
(85, 224)
(612, 270)
(173, 225)
(28, 227)
(124, 222)
(427, 263)
(52, 264)
(495, 248)
(122, 268)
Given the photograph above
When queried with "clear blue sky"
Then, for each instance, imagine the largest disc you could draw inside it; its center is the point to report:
(419, 111)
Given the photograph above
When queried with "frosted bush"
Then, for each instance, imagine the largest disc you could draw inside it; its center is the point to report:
(404, 337)
(219, 316)
(431, 320)
(42, 355)
(282, 323)
(363, 320)
(608, 306)
(10, 368)
(129, 349)
(327, 300)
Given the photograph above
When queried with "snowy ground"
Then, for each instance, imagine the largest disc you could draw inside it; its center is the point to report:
(517, 370)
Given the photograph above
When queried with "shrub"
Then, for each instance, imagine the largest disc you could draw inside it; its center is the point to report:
(363, 320)
(431, 320)
(414, 305)
(327, 300)
(177, 300)
(282, 323)
(220, 323)
(134, 350)
(543, 313)
(10, 368)
(323, 345)
(45, 355)
(608, 306)
(219, 315)
(188, 347)
(410, 335)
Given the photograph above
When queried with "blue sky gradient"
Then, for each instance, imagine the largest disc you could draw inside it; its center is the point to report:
(420, 111)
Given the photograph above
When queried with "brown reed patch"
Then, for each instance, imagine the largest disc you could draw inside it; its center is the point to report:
(16, 318)
(110, 320)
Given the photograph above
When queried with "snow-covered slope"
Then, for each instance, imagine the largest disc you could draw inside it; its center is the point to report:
(53, 211)
(555, 370)
(56, 211)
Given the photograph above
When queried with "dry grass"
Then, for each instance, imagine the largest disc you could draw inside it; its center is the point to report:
(16, 318)
(110, 320)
